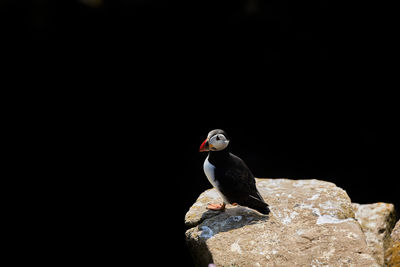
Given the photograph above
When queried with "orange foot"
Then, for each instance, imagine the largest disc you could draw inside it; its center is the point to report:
(220, 207)
(234, 204)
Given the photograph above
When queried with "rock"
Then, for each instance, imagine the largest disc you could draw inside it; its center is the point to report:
(396, 232)
(198, 212)
(377, 221)
(392, 254)
(312, 223)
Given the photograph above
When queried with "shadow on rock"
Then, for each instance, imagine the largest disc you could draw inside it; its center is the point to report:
(209, 214)
(230, 219)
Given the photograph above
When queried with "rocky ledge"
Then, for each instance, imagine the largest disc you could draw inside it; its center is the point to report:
(312, 223)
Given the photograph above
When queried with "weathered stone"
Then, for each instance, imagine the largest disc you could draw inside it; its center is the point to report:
(377, 221)
(396, 232)
(312, 223)
(392, 254)
(198, 212)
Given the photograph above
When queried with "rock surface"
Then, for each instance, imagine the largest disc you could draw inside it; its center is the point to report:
(396, 232)
(312, 223)
(392, 254)
(377, 221)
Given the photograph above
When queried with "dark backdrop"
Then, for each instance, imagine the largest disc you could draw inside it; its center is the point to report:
(302, 89)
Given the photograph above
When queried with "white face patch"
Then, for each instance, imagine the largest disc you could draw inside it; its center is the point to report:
(218, 141)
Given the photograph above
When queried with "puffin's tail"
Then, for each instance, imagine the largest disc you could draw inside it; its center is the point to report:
(258, 205)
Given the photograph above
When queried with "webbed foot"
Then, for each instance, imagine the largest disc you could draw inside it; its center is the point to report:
(219, 207)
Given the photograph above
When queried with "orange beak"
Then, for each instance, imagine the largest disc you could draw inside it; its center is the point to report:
(205, 146)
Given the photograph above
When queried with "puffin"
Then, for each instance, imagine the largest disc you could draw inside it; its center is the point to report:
(230, 175)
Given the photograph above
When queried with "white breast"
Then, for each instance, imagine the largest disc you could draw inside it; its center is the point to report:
(209, 170)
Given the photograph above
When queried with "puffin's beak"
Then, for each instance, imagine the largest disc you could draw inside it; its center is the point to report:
(204, 146)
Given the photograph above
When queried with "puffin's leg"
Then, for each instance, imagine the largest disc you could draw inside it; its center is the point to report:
(220, 207)
(234, 204)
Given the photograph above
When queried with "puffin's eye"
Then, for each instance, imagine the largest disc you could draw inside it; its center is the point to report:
(217, 138)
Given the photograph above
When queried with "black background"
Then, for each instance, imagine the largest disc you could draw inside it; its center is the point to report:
(302, 89)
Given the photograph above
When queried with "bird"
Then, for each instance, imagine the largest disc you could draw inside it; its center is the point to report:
(230, 175)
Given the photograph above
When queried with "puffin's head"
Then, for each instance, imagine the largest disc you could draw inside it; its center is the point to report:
(216, 140)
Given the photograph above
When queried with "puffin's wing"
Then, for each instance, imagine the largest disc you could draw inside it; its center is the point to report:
(242, 189)
(239, 183)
